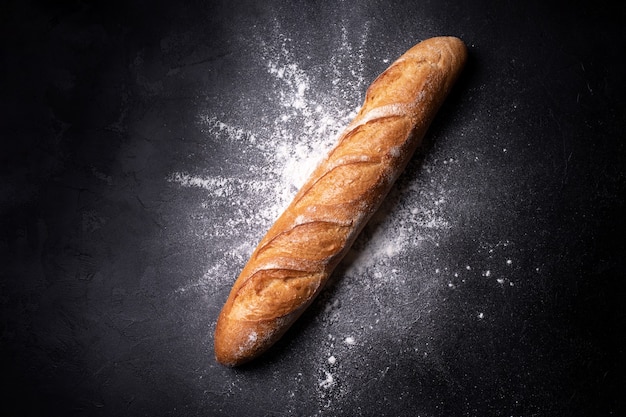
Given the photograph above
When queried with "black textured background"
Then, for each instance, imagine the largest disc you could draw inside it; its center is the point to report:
(98, 108)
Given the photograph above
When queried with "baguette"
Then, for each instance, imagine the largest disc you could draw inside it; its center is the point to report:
(295, 258)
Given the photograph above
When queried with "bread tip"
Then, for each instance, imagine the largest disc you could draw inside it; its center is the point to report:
(452, 41)
(237, 342)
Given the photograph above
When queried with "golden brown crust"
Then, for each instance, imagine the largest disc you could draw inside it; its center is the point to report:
(293, 261)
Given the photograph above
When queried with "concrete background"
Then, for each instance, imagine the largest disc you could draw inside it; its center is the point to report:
(142, 156)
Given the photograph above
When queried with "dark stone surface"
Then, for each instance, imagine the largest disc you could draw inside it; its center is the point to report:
(113, 274)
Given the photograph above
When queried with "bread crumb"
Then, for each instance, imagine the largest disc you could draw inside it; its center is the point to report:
(350, 340)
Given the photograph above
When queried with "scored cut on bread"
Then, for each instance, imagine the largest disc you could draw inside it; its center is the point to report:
(293, 261)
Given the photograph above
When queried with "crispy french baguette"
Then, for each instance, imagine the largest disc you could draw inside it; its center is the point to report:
(294, 260)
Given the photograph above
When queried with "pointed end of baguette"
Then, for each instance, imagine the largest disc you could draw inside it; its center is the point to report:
(445, 45)
(238, 341)
(448, 52)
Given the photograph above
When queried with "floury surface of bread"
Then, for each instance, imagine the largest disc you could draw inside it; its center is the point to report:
(295, 258)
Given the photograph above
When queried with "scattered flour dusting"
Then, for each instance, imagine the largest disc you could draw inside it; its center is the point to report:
(307, 116)
(216, 186)
(396, 268)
